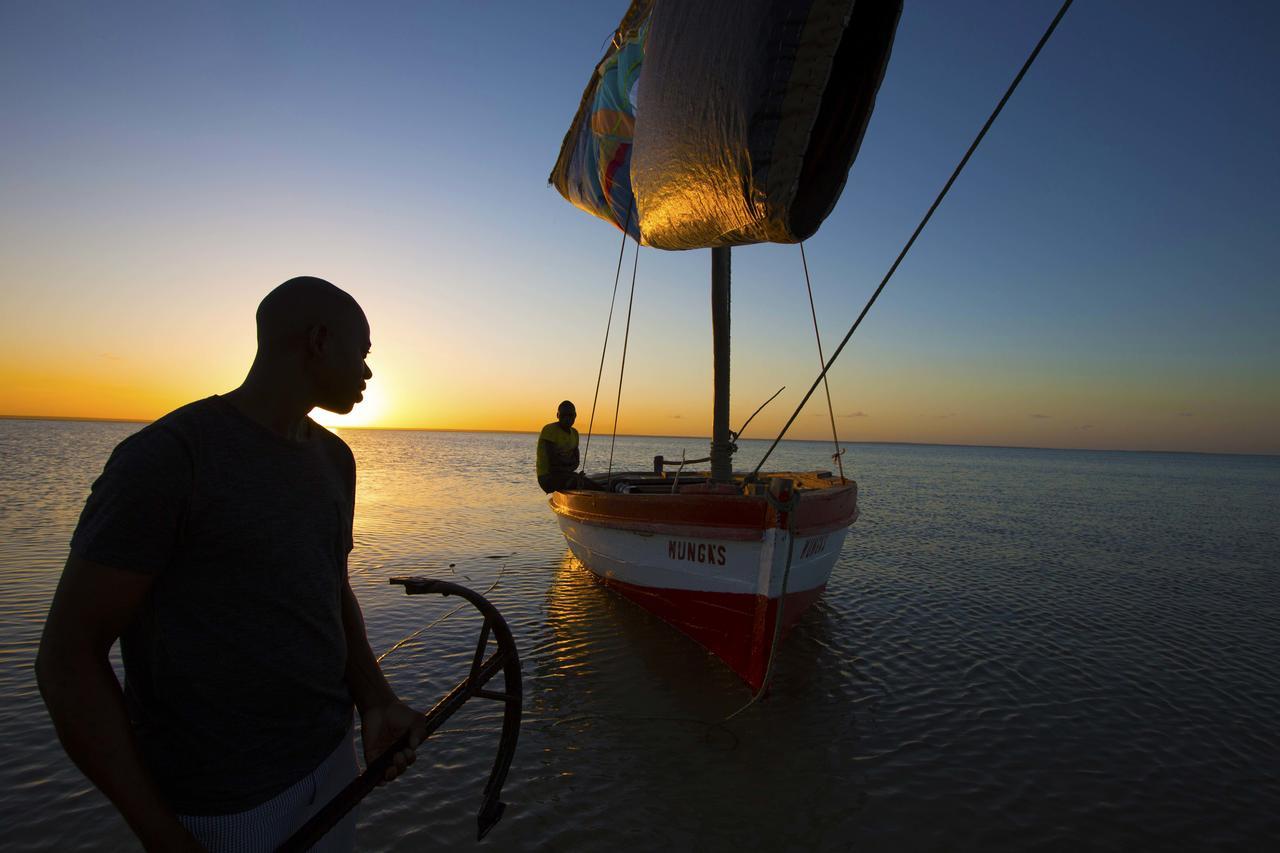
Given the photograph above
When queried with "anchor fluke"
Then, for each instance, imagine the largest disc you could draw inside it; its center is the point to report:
(505, 658)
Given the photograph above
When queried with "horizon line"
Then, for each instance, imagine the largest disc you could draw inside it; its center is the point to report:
(73, 418)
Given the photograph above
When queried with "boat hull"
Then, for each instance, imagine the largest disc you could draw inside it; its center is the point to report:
(720, 568)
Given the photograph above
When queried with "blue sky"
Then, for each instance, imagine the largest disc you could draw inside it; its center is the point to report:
(1103, 274)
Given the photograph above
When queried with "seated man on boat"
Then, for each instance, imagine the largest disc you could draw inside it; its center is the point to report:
(558, 454)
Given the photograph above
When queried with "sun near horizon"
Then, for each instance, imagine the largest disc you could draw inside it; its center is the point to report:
(1102, 276)
(403, 396)
(436, 367)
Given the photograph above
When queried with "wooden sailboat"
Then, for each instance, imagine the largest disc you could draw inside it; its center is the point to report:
(728, 568)
(750, 116)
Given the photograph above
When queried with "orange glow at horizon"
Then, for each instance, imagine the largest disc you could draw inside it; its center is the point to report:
(1114, 417)
(440, 375)
(369, 412)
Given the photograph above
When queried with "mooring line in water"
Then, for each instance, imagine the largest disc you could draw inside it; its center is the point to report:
(617, 276)
(709, 725)
(791, 507)
(411, 637)
(928, 215)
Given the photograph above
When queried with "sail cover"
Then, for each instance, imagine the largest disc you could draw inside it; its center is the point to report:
(726, 122)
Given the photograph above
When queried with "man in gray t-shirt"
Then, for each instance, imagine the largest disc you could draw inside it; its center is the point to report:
(214, 546)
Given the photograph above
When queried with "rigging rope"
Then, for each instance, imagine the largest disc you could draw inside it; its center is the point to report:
(839, 454)
(607, 326)
(734, 436)
(790, 507)
(623, 369)
(937, 201)
(676, 481)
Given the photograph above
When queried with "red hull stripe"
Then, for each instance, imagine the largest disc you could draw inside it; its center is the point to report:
(732, 517)
(734, 627)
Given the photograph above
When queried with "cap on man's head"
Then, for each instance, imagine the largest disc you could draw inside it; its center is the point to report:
(565, 406)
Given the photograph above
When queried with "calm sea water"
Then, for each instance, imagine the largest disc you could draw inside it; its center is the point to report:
(1019, 650)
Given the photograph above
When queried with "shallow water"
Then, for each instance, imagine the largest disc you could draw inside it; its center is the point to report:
(1018, 650)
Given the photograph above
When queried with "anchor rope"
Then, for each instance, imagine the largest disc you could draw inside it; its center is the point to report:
(788, 506)
(839, 454)
(415, 634)
(710, 726)
(607, 326)
(928, 215)
(626, 337)
(679, 471)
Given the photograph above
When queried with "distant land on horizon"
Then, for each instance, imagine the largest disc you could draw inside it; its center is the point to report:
(698, 437)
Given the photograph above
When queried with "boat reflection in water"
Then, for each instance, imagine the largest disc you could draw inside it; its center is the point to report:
(607, 644)
(630, 712)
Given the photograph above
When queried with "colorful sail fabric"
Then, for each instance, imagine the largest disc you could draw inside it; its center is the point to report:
(594, 169)
(727, 122)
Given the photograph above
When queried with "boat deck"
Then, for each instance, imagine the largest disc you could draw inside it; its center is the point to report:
(694, 482)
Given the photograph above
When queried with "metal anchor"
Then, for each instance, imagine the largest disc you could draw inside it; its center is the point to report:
(505, 658)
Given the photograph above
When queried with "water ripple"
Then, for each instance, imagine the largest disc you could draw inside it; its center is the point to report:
(1018, 650)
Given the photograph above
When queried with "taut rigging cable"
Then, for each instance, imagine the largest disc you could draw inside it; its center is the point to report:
(928, 215)
(839, 454)
(608, 325)
(623, 369)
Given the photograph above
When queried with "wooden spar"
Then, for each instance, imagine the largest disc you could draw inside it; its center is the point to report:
(721, 444)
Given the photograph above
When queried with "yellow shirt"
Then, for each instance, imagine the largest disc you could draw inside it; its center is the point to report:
(557, 450)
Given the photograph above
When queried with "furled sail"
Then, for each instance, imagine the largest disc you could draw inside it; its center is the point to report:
(726, 122)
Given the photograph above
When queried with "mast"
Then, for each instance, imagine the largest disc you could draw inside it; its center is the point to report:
(721, 444)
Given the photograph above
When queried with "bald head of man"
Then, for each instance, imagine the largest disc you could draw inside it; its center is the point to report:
(313, 339)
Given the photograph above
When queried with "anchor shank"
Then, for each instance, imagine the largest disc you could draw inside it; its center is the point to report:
(346, 799)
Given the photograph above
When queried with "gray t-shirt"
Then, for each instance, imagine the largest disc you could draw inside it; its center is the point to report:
(234, 668)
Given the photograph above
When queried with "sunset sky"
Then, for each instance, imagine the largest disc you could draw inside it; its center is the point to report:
(1103, 275)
